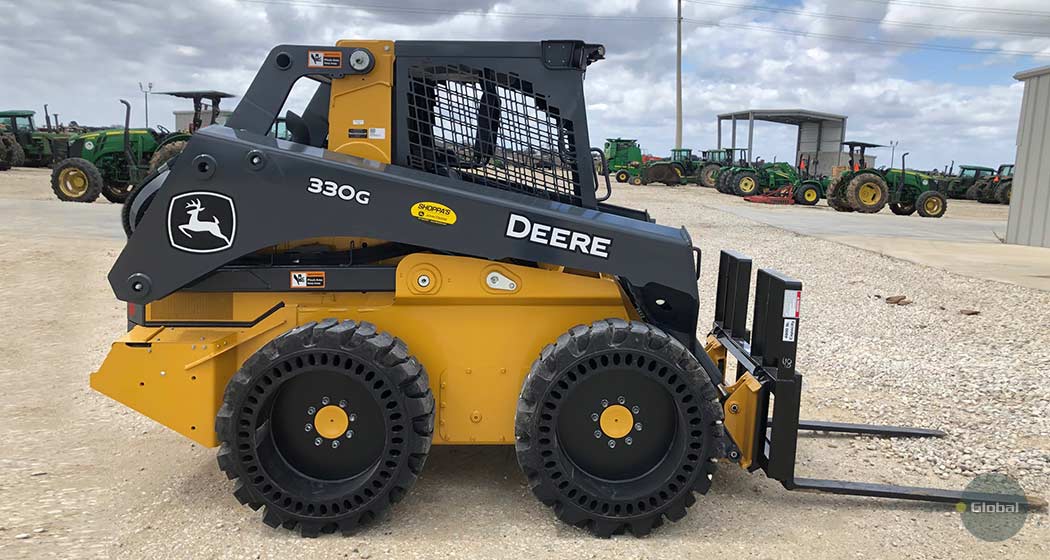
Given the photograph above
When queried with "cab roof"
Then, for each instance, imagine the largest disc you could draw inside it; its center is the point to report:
(976, 167)
(17, 113)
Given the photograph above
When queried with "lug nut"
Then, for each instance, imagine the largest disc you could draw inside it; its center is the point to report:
(594, 416)
(638, 426)
(620, 399)
(628, 440)
(612, 443)
(335, 444)
(635, 409)
(342, 403)
(311, 411)
(317, 441)
(353, 417)
(349, 434)
(325, 401)
(309, 427)
(605, 403)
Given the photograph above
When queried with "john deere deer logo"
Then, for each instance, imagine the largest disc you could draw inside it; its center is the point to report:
(201, 222)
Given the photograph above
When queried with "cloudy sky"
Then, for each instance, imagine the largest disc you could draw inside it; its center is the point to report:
(934, 75)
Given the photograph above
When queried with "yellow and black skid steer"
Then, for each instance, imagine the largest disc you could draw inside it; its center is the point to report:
(432, 259)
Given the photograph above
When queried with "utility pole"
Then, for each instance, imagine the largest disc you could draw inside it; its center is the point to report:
(678, 85)
(145, 93)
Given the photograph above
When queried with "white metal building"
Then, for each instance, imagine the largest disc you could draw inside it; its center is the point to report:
(820, 135)
(1029, 221)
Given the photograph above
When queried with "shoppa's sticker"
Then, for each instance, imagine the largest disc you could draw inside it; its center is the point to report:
(434, 213)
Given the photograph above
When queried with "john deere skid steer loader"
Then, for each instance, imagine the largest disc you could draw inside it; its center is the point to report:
(325, 309)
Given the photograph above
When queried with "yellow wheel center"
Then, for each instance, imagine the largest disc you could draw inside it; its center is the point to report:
(331, 422)
(933, 205)
(73, 182)
(616, 421)
(811, 195)
(869, 193)
(747, 184)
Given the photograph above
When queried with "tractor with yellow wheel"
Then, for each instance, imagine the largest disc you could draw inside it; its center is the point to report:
(324, 310)
(868, 190)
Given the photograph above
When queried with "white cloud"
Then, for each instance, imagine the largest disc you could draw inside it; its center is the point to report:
(80, 58)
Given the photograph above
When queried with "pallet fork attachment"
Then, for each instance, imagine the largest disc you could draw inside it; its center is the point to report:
(766, 355)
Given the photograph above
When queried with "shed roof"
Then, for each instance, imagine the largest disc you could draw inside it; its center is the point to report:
(1033, 73)
(784, 116)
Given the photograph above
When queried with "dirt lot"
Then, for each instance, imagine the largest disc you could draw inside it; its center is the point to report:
(84, 477)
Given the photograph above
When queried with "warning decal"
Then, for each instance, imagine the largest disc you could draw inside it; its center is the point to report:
(357, 133)
(789, 330)
(307, 279)
(324, 59)
(792, 302)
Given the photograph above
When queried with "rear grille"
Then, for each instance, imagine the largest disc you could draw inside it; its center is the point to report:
(490, 128)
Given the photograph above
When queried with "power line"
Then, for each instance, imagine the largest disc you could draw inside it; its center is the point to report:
(437, 11)
(886, 42)
(668, 19)
(874, 21)
(954, 8)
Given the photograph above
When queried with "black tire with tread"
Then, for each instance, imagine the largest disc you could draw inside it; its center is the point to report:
(623, 176)
(115, 192)
(165, 153)
(261, 377)
(800, 194)
(94, 177)
(1002, 192)
(740, 176)
(554, 479)
(902, 209)
(16, 155)
(853, 192)
(706, 174)
(920, 204)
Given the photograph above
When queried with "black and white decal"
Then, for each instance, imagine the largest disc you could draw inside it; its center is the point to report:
(201, 222)
(520, 227)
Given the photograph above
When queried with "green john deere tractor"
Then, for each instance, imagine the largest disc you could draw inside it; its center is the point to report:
(711, 162)
(107, 162)
(28, 146)
(680, 169)
(965, 184)
(176, 141)
(623, 158)
(759, 178)
(867, 190)
(735, 159)
(996, 189)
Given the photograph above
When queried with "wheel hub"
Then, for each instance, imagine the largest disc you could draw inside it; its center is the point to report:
(869, 193)
(73, 182)
(331, 422)
(616, 421)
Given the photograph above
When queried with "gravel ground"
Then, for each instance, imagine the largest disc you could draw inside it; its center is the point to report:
(84, 477)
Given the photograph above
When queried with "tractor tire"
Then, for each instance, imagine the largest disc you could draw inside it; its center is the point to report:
(116, 192)
(327, 426)
(835, 199)
(623, 176)
(807, 195)
(745, 183)
(76, 180)
(708, 175)
(16, 155)
(867, 193)
(1002, 192)
(165, 153)
(637, 180)
(616, 428)
(902, 209)
(931, 204)
(973, 193)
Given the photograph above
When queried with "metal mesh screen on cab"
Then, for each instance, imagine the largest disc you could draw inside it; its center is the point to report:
(490, 128)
